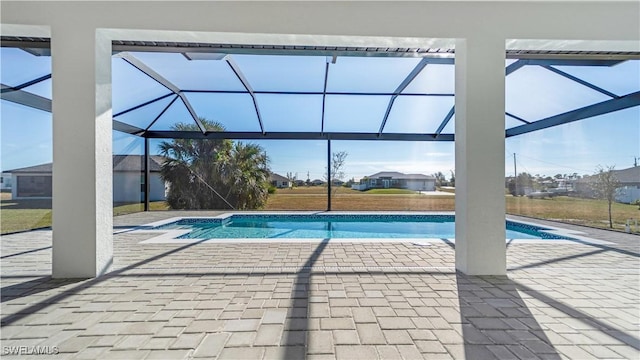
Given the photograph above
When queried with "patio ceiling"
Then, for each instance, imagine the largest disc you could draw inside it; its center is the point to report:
(312, 92)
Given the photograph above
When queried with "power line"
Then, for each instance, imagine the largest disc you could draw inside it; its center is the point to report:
(548, 162)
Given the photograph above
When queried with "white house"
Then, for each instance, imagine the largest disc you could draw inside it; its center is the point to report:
(128, 179)
(629, 190)
(627, 193)
(34, 182)
(398, 180)
(5, 181)
(279, 181)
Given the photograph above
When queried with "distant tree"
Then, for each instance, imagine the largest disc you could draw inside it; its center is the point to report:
(604, 185)
(214, 173)
(292, 179)
(338, 161)
(308, 182)
(441, 180)
(452, 179)
(517, 186)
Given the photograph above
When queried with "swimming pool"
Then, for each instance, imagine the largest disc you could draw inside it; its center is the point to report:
(332, 226)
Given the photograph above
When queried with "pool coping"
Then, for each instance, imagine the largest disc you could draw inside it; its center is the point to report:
(168, 236)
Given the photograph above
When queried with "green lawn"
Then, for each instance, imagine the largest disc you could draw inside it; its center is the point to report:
(19, 215)
(23, 219)
(132, 208)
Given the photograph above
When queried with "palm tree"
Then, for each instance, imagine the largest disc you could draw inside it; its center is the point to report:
(213, 173)
(248, 176)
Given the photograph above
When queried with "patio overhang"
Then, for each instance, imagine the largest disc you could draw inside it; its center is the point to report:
(82, 80)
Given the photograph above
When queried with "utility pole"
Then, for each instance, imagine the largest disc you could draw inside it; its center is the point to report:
(515, 174)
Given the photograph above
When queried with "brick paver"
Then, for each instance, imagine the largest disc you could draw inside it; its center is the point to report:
(357, 300)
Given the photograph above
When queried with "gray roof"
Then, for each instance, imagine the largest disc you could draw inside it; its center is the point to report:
(42, 168)
(277, 177)
(136, 163)
(120, 163)
(399, 175)
(624, 176)
(630, 175)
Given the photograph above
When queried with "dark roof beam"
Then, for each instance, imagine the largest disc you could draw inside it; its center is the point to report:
(164, 82)
(514, 66)
(269, 92)
(444, 122)
(517, 118)
(324, 90)
(161, 113)
(403, 85)
(236, 69)
(24, 98)
(142, 105)
(296, 136)
(194, 116)
(601, 108)
(580, 81)
(126, 128)
(27, 84)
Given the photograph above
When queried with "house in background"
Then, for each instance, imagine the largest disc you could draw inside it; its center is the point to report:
(317, 182)
(628, 192)
(279, 181)
(128, 179)
(34, 182)
(397, 180)
(5, 182)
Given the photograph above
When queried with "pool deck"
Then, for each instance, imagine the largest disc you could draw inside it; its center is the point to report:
(323, 300)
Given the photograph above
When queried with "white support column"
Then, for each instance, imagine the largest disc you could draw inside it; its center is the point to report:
(480, 201)
(82, 154)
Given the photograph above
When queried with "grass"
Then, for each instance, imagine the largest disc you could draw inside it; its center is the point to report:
(588, 212)
(20, 215)
(28, 214)
(315, 198)
(390, 191)
(123, 209)
(23, 219)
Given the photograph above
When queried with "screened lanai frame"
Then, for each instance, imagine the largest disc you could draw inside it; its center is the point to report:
(552, 61)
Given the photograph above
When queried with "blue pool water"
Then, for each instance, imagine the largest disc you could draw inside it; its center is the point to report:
(337, 226)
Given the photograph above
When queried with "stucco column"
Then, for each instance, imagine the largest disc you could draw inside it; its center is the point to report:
(82, 153)
(480, 201)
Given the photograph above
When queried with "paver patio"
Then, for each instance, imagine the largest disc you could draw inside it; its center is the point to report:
(323, 301)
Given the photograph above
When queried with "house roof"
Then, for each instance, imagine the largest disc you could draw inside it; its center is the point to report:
(277, 177)
(624, 176)
(136, 163)
(42, 168)
(630, 175)
(399, 175)
(121, 163)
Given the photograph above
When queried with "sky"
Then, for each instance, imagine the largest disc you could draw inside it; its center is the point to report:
(532, 93)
